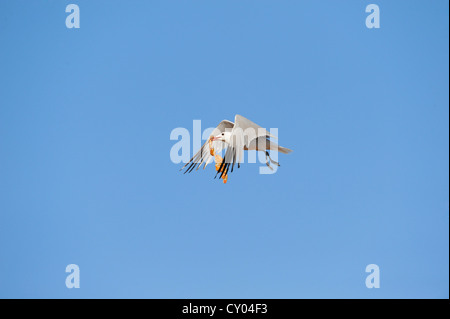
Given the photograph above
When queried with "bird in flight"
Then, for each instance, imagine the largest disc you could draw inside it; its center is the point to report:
(242, 135)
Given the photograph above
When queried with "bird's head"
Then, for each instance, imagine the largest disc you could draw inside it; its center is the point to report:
(223, 137)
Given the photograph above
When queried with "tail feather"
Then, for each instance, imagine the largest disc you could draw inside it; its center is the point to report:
(284, 150)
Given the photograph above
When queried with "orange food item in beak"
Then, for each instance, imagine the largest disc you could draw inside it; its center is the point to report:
(211, 149)
(218, 160)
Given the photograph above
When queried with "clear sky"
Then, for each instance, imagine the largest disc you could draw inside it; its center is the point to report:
(86, 177)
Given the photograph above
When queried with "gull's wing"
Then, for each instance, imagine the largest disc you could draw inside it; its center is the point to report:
(243, 133)
(203, 155)
(245, 123)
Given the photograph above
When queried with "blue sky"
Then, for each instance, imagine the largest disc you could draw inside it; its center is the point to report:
(86, 177)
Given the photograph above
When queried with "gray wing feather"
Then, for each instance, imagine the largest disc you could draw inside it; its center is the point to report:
(245, 124)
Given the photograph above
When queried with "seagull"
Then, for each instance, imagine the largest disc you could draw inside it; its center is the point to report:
(242, 135)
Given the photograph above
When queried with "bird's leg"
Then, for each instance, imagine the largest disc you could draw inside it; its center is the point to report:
(268, 155)
(267, 161)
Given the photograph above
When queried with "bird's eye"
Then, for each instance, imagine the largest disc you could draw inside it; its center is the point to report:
(222, 134)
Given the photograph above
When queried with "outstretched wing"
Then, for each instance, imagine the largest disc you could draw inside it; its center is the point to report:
(203, 155)
(243, 133)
